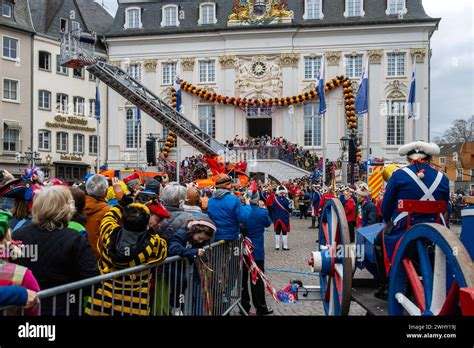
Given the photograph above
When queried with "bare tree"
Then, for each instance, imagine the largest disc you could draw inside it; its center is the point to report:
(459, 132)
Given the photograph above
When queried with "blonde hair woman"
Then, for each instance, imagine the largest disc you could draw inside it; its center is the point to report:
(56, 255)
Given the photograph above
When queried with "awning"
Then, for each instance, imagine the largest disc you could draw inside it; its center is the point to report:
(78, 164)
(12, 124)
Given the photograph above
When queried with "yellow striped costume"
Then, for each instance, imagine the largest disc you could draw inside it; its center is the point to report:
(130, 294)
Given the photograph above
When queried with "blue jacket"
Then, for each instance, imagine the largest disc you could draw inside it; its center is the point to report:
(402, 186)
(225, 210)
(256, 219)
(369, 213)
(13, 296)
(180, 245)
(315, 198)
(281, 212)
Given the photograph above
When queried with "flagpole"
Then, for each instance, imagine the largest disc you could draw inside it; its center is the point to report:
(97, 117)
(98, 147)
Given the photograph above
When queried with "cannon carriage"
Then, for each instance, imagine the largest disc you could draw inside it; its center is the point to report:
(431, 271)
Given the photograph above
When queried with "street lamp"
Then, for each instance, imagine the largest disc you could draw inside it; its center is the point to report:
(30, 156)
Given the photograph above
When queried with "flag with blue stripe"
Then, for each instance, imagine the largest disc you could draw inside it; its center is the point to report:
(362, 98)
(97, 103)
(320, 89)
(139, 115)
(177, 88)
(412, 95)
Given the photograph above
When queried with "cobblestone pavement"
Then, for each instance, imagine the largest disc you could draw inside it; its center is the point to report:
(301, 243)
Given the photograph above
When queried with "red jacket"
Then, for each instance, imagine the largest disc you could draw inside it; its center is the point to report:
(350, 209)
(327, 196)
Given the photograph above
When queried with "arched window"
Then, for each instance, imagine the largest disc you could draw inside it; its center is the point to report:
(133, 129)
(207, 13)
(313, 9)
(133, 18)
(169, 16)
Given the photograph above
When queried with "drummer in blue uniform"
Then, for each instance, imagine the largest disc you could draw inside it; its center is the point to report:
(418, 181)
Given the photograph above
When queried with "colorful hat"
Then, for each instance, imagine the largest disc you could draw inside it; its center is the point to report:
(132, 180)
(159, 210)
(5, 218)
(419, 149)
(223, 180)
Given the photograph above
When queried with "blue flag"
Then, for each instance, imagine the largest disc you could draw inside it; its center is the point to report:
(139, 115)
(177, 88)
(412, 94)
(97, 103)
(362, 98)
(320, 89)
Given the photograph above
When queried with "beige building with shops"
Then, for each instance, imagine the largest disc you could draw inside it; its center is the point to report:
(16, 38)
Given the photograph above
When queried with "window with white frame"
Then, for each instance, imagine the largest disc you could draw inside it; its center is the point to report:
(62, 101)
(7, 9)
(170, 16)
(442, 160)
(78, 106)
(354, 66)
(44, 99)
(312, 125)
(133, 18)
(10, 48)
(61, 70)
(133, 130)
(135, 71)
(78, 143)
(168, 71)
(44, 61)
(354, 8)
(396, 111)
(44, 140)
(396, 64)
(11, 137)
(207, 13)
(312, 65)
(207, 71)
(313, 9)
(10, 90)
(93, 144)
(207, 119)
(62, 140)
(396, 7)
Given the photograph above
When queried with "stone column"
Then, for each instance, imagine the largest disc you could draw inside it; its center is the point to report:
(287, 119)
(420, 132)
(376, 122)
(227, 116)
(334, 121)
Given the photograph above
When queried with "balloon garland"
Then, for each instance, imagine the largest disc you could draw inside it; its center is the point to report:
(339, 81)
(171, 140)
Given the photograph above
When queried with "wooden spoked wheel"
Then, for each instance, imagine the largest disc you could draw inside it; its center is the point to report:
(430, 266)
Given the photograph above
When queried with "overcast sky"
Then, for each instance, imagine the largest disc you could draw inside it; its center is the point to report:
(452, 64)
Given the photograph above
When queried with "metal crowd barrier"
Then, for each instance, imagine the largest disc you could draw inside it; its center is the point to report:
(211, 285)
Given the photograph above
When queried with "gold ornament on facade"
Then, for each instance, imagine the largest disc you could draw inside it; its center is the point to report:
(115, 62)
(375, 56)
(228, 62)
(188, 63)
(419, 54)
(289, 59)
(271, 11)
(150, 65)
(333, 58)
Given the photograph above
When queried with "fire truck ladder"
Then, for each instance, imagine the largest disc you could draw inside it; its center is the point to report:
(78, 50)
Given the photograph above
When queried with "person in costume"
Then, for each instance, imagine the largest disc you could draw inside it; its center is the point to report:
(368, 211)
(418, 181)
(350, 210)
(280, 206)
(314, 198)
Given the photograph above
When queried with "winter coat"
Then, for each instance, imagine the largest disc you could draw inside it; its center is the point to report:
(257, 219)
(225, 210)
(63, 256)
(94, 210)
(177, 220)
(123, 249)
(350, 210)
(369, 214)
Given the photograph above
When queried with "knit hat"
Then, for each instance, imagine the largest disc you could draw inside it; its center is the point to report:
(5, 218)
(153, 186)
(132, 180)
(223, 180)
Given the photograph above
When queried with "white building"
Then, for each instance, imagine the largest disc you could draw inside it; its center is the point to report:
(64, 124)
(266, 49)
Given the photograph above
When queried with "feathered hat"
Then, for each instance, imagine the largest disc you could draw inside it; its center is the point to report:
(419, 150)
